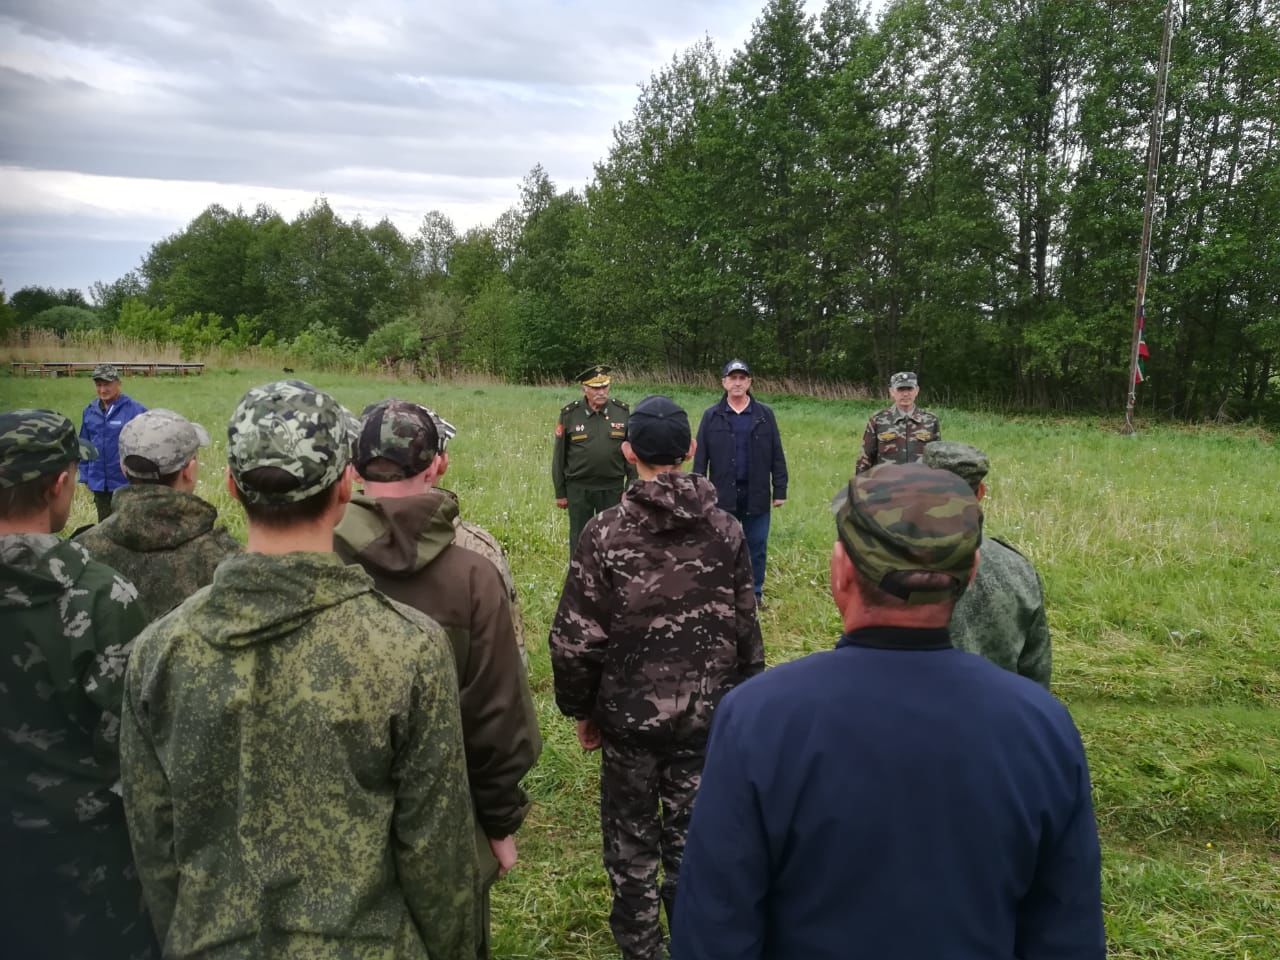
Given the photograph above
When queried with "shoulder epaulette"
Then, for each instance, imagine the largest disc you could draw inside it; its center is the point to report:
(620, 403)
(571, 405)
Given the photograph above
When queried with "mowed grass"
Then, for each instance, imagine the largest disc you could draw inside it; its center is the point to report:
(1161, 560)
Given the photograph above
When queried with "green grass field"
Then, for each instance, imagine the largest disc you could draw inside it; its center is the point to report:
(1161, 559)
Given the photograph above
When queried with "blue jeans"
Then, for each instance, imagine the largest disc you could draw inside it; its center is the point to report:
(756, 528)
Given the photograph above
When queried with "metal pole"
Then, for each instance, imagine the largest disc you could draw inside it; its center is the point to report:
(1144, 251)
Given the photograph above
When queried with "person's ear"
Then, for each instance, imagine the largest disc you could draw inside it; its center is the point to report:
(231, 486)
(628, 454)
(442, 459)
(191, 471)
(344, 485)
(693, 445)
(842, 572)
(982, 490)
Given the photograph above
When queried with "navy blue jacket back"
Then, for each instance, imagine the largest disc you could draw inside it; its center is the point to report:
(714, 458)
(872, 802)
(102, 429)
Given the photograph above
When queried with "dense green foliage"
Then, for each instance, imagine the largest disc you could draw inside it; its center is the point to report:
(955, 188)
(1159, 559)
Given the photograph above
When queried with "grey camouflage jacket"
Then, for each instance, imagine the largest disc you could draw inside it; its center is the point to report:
(657, 621)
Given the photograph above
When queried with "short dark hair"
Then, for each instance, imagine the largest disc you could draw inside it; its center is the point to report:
(135, 465)
(277, 516)
(27, 499)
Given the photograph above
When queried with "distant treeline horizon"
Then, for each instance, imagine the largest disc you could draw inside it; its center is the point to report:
(955, 188)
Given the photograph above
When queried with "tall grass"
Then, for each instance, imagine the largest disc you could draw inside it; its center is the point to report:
(1161, 560)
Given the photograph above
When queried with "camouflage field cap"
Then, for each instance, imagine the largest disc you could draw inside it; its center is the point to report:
(36, 443)
(295, 427)
(658, 431)
(164, 439)
(968, 463)
(904, 378)
(903, 517)
(401, 434)
(106, 372)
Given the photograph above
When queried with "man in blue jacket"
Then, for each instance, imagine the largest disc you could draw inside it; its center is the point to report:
(894, 797)
(101, 425)
(740, 451)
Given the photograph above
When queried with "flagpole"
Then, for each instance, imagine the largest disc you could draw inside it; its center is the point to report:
(1144, 251)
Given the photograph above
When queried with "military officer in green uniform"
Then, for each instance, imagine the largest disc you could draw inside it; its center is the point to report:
(587, 466)
(898, 434)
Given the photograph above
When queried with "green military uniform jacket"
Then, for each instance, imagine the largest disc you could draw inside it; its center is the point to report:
(293, 770)
(588, 447)
(892, 436)
(1001, 614)
(67, 625)
(163, 540)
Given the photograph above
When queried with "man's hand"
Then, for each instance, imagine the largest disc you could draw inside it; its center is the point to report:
(562, 503)
(504, 851)
(588, 734)
(778, 503)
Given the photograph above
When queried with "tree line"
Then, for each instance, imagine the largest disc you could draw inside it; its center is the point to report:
(955, 187)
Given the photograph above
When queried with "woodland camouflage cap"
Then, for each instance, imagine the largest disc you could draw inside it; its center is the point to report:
(968, 463)
(904, 517)
(35, 443)
(295, 427)
(165, 440)
(402, 434)
(106, 372)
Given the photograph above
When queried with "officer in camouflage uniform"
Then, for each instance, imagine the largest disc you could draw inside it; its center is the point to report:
(69, 889)
(898, 434)
(656, 623)
(587, 466)
(292, 755)
(1001, 616)
(160, 534)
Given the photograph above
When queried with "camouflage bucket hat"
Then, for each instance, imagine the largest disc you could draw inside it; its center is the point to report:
(294, 427)
(35, 443)
(401, 434)
(166, 440)
(905, 517)
(968, 463)
(106, 371)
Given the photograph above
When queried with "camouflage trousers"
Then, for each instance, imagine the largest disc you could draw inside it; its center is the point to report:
(646, 800)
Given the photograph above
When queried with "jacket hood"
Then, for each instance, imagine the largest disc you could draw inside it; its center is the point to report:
(397, 536)
(38, 568)
(146, 517)
(671, 501)
(258, 598)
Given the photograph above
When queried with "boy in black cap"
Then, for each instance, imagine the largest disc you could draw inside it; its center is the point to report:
(656, 623)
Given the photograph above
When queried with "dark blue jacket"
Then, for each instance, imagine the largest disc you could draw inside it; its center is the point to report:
(714, 457)
(102, 429)
(894, 797)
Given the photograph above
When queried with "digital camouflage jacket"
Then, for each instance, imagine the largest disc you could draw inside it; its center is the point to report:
(657, 621)
(1001, 615)
(892, 436)
(293, 771)
(67, 625)
(163, 540)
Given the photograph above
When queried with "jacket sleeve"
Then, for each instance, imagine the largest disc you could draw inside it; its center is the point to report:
(501, 735)
(580, 629)
(1060, 918)
(118, 618)
(870, 447)
(779, 462)
(724, 877)
(701, 453)
(85, 434)
(1036, 659)
(557, 461)
(148, 808)
(433, 829)
(746, 620)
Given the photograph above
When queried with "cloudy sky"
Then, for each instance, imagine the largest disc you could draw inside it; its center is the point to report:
(120, 120)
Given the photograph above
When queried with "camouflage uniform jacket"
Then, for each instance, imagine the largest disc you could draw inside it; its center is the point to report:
(1001, 615)
(473, 537)
(68, 625)
(293, 771)
(657, 621)
(892, 436)
(407, 545)
(163, 540)
(588, 447)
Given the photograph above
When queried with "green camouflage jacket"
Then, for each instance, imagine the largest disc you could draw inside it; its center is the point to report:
(1001, 614)
(291, 750)
(892, 436)
(67, 623)
(163, 540)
